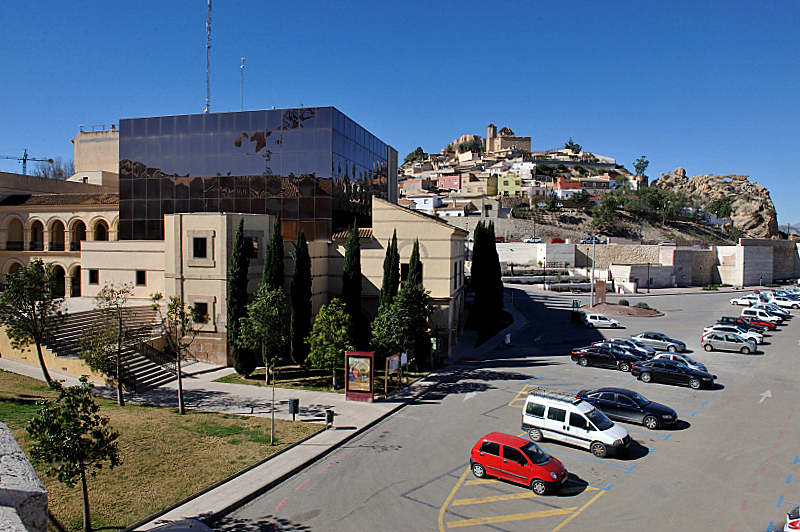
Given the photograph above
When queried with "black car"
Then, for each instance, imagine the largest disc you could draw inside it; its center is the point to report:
(626, 405)
(740, 322)
(624, 348)
(603, 357)
(671, 372)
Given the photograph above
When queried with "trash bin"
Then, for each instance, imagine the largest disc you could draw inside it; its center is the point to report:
(329, 417)
(294, 407)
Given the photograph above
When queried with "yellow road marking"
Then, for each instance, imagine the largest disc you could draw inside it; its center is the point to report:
(519, 397)
(510, 517)
(481, 481)
(450, 498)
(582, 508)
(494, 498)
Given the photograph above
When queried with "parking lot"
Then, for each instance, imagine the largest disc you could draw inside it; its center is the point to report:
(731, 463)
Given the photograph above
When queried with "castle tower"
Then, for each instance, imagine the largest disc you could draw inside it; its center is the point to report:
(491, 133)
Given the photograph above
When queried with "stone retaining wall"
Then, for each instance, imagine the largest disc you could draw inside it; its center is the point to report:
(23, 499)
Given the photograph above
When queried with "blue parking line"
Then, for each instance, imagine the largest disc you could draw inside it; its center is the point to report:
(796, 459)
(729, 380)
(782, 502)
(693, 413)
(626, 469)
(771, 527)
(703, 403)
(665, 437)
(600, 488)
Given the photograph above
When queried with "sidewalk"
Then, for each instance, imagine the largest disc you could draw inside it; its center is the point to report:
(351, 418)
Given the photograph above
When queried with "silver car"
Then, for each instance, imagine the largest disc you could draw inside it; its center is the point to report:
(755, 337)
(635, 345)
(727, 342)
(660, 342)
(683, 359)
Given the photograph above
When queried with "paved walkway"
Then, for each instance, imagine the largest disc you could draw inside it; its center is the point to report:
(350, 419)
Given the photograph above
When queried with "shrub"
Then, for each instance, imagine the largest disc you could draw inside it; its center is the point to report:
(624, 303)
(642, 305)
(710, 287)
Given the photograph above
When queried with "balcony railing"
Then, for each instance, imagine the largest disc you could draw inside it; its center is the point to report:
(56, 246)
(14, 245)
(36, 246)
(75, 246)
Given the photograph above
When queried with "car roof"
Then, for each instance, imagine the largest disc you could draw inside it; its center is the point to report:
(611, 389)
(501, 437)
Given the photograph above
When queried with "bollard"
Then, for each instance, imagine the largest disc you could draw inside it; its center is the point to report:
(329, 417)
(294, 407)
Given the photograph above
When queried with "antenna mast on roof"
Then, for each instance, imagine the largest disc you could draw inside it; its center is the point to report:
(208, 60)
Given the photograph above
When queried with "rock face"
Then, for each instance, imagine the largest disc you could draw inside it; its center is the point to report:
(753, 210)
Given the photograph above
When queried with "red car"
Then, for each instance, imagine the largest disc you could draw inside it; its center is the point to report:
(517, 460)
(499, 239)
(769, 325)
(556, 240)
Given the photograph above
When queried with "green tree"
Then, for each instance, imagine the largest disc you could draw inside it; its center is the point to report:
(179, 325)
(30, 308)
(722, 206)
(416, 155)
(580, 198)
(391, 273)
(102, 342)
(487, 306)
(573, 147)
(73, 438)
(243, 360)
(351, 286)
(329, 339)
(414, 266)
(551, 203)
(404, 326)
(274, 274)
(264, 328)
(300, 293)
(605, 214)
(471, 145)
(641, 165)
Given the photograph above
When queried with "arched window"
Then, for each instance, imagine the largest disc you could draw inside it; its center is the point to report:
(37, 236)
(75, 282)
(77, 235)
(15, 236)
(101, 230)
(60, 278)
(57, 236)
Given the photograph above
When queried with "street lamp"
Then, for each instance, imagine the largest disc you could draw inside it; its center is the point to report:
(591, 235)
(648, 277)
(544, 275)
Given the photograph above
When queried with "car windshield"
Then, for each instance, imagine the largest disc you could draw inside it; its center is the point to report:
(638, 399)
(690, 361)
(616, 351)
(536, 455)
(682, 367)
(599, 419)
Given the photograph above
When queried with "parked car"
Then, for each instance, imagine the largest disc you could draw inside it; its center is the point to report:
(533, 240)
(635, 344)
(744, 324)
(686, 360)
(557, 240)
(626, 405)
(792, 519)
(785, 302)
(761, 315)
(759, 323)
(624, 348)
(598, 320)
(562, 416)
(603, 357)
(670, 372)
(592, 240)
(500, 239)
(517, 460)
(660, 341)
(756, 338)
(746, 300)
(718, 341)
(773, 309)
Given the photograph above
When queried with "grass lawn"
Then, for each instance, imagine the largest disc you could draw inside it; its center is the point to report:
(296, 377)
(165, 456)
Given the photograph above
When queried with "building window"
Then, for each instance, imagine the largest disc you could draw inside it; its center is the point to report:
(141, 278)
(252, 249)
(199, 248)
(201, 311)
(94, 277)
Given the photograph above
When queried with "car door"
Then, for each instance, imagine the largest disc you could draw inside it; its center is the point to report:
(491, 459)
(577, 430)
(606, 402)
(733, 342)
(515, 465)
(604, 359)
(555, 424)
(659, 371)
(628, 410)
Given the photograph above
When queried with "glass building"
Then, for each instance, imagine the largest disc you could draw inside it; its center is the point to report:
(314, 167)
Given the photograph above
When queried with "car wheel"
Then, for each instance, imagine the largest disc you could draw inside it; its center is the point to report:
(583, 362)
(535, 435)
(614, 325)
(672, 348)
(745, 350)
(645, 377)
(708, 347)
(795, 307)
(694, 384)
(538, 487)
(599, 450)
(589, 325)
(651, 422)
(624, 366)
(478, 470)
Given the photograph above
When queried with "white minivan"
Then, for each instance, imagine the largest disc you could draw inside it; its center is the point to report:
(760, 314)
(564, 417)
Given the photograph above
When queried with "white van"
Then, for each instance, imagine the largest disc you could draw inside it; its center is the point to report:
(760, 314)
(562, 416)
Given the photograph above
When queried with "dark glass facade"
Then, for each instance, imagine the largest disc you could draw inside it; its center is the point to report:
(314, 167)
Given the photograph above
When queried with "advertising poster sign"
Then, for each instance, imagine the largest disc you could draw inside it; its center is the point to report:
(360, 371)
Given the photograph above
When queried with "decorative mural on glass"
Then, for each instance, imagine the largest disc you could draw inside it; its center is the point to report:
(314, 167)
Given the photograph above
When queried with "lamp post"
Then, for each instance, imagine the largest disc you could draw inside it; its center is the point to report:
(544, 276)
(648, 277)
(591, 303)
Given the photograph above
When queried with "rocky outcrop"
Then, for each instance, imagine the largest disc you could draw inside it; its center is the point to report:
(753, 210)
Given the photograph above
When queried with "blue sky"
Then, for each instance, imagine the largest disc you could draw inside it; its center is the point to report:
(709, 86)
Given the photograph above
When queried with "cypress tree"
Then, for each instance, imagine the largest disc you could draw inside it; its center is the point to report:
(351, 286)
(301, 300)
(391, 273)
(243, 361)
(494, 278)
(273, 275)
(414, 266)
